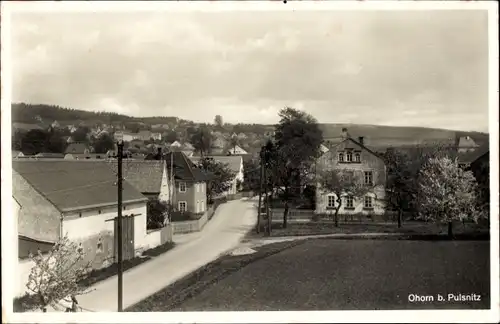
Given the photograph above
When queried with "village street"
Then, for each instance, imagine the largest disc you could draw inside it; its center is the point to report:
(222, 233)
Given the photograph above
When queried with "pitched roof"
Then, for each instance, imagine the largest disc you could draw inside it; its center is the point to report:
(466, 141)
(184, 168)
(77, 148)
(337, 143)
(75, 184)
(469, 157)
(234, 161)
(144, 175)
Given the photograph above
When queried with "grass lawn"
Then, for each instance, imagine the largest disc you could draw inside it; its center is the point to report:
(411, 228)
(325, 274)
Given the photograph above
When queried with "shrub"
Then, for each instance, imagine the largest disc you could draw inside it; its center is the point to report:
(178, 216)
(157, 212)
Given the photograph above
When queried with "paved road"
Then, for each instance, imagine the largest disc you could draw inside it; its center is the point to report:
(223, 233)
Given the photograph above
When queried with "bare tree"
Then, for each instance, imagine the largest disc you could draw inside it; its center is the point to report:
(341, 183)
(57, 274)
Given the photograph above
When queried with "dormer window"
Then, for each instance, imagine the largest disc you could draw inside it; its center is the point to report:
(341, 157)
(349, 157)
(357, 157)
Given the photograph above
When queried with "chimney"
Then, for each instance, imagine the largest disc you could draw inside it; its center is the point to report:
(344, 134)
(361, 140)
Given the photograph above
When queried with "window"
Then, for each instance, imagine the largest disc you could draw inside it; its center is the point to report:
(368, 177)
(197, 187)
(349, 176)
(368, 202)
(349, 156)
(182, 187)
(203, 205)
(349, 202)
(341, 157)
(330, 201)
(182, 206)
(357, 157)
(197, 206)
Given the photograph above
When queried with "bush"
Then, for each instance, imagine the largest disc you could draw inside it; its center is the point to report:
(178, 216)
(157, 211)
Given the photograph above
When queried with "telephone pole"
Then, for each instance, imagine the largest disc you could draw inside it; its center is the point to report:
(260, 188)
(119, 227)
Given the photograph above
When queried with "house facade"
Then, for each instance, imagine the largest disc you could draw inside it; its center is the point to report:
(235, 164)
(76, 199)
(189, 188)
(361, 164)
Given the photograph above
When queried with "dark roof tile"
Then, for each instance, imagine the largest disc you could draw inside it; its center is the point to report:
(75, 184)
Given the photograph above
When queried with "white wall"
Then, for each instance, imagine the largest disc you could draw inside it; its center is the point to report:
(378, 196)
(23, 269)
(91, 222)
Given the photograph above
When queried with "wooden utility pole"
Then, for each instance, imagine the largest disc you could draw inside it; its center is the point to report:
(260, 188)
(119, 227)
(266, 202)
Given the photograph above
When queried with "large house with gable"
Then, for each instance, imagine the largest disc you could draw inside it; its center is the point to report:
(352, 156)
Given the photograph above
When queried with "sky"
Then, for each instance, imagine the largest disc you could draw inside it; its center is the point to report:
(400, 68)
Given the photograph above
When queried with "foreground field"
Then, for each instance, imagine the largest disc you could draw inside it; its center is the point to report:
(325, 274)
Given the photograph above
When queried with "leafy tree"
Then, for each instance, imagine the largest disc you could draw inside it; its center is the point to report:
(55, 141)
(104, 143)
(297, 139)
(17, 140)
(447, 192)
(251, 174)
(81, 134)
(221, 177)
(57, 274)
(218, 121)
(34, 141)
(202, 141)
(233, 141)
(482, 174)
(403, 167)
(171, 137)
(342, 183)
(157, 213)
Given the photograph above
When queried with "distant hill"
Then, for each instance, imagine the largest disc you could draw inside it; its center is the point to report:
(28, 113)
(375, 136)
(378, 136)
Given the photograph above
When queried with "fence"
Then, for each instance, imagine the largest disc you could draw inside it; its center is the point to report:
(305, 215)
(158, 237)
(189, 226)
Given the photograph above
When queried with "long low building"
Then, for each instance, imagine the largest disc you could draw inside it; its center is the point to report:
(54, 198)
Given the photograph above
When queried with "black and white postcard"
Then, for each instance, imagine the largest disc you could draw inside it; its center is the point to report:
(249, 161)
